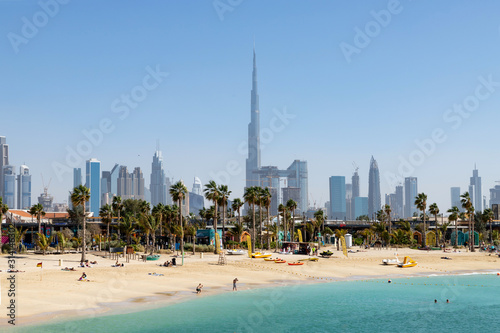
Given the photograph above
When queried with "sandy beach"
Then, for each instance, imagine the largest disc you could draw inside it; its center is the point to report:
(50, 293)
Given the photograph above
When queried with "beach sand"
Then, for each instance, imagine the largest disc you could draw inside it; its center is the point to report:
(50, 293)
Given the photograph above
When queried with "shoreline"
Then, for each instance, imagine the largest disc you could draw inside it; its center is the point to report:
(130, 289)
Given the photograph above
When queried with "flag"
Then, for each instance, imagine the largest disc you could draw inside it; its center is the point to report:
(39, 264)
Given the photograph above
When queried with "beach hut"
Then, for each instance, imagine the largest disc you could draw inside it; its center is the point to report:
(461, 238)
(348, 240)
(430, 238)
(417, 236)
(476, 238)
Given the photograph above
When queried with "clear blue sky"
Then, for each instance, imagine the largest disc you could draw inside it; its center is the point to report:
(396, 88)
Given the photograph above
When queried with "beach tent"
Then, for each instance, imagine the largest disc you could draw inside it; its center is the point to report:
(461, 238)
(476, 238)
(417, 236)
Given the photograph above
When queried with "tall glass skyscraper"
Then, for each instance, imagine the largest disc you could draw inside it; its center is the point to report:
(337, 198)
(159, 184)
(9, 186)
(4, 160)
(253, 160)
(455, 197)
(360, 206)
(475, 186)
(24, 188)
(411, 191)
(297, 177)
(374, 198)
(93, 182)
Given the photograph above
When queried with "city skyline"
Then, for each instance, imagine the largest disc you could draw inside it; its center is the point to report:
(407, 74)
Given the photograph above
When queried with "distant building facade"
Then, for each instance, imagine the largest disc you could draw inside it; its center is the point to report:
(475, 191)
(4, 161)
(9, 186)
(455, 198)
(360, 206)
(337, 198)
(93, 182)
(24, 188)
(411, 191)
(374, 196)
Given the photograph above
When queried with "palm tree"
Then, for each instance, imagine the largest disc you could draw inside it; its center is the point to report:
(117, 210)
(237, 230)
(79, 197)
(434, 210)
(224, 195)
(160, 211)
(292, 206)
(443, 228)
(236, 206)
(267, 198)
(421, 203)
(3, 209)
(212, 193)
(284, 211)
(150, 224)
(43, 242)
(106, 213)
(339, 233)
(467, 205)
(319, 220)
(387, 212)
(260, 203)
(178, 192)
(489, 216)
(454, 217)
(127, 225)
(251, 197)
(37, 210)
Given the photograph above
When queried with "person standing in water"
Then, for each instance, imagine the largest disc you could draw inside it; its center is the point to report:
(234, 284)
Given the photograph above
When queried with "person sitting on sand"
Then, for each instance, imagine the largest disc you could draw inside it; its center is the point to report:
(83, 277)
(198, 289)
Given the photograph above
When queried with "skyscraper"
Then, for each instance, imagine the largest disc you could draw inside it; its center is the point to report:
(337, 198)
(124, 186)
(9, 186)
(349, 202)
(93, 182)
(360, 206)
(477, 196)
(24, 188)
(411, 191)
(455, 197)
(137, 184)
(4, 160)
(374, 198)
(158, 185)
(77, 177)
(399, 207)
(298, 177)
(253, 160)
(197, 186)
(355, 192)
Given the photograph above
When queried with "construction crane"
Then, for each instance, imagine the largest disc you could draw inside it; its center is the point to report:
(356, 167)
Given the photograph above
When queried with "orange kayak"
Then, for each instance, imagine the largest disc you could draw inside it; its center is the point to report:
(295, 263)
(280, 261)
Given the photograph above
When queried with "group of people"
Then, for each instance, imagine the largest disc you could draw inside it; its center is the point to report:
(86, 263)
(169, 263)
(200, 286)
(117, 264)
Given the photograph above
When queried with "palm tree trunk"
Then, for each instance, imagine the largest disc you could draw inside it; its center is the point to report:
(84, 238)
(491, 232)
(456, 232)
(472, 238)
(253, 227)
(268, 222)
(260, 226)
(424, 240)
(182, 230)
(223, 238)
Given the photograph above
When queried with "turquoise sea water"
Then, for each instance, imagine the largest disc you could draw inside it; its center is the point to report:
(405, 305)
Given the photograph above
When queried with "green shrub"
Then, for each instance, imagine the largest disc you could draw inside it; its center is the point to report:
(5, 248)
(138, 247)
(357, 241)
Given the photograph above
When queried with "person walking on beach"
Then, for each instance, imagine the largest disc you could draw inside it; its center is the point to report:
(234, 284)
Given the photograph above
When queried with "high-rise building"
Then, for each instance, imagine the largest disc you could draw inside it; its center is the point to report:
(4, 160)
(253, 160)
(360, 206)
(349, 202)
(124, 183)
(160, 184)
(197, 186)
(93, 182)
(411, 191)
(113, 180)
(9, 186)
(297, 177)
(374, 197)
(455, 197)
(476, 196)
(291, 193)
(495, 195)
(77, 177)
(399, 204)
(137, 184)
(24, 188)
(337, 198)
(355, 184)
